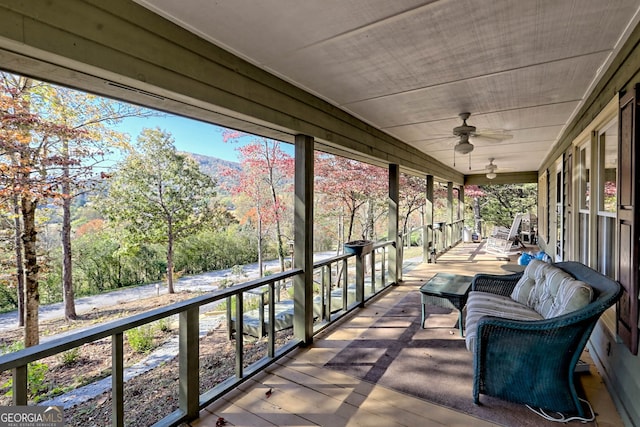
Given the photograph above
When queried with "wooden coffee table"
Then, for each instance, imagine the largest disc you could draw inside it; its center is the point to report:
(446, 290)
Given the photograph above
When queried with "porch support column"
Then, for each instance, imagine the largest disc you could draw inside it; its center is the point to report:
(395, 257)
(303, 239)
(460, 212)
(449, 231)
(428, 244)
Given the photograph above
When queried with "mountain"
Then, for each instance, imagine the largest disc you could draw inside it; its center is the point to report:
(214, 167)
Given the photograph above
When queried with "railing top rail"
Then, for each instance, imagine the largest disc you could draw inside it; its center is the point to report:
(336, 258)
(331, 260)
(383, 243)
(57, 345)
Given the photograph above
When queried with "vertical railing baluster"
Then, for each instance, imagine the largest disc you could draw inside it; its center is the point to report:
(323, 292)
(345, 283)
(117, 380)
(329, 285)
(373, 272)
(229, 319)
(239, 336)
(272, 318)
(189, 362)
(20, 376)
(260, 314)
(360, 279)
(383, 266)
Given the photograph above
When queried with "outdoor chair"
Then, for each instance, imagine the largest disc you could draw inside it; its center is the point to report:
(502, 240)
(533, 361)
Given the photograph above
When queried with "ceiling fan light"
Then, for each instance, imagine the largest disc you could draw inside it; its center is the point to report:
(464, 147)
(491, 175)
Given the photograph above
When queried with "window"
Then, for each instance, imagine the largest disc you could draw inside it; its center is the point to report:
(608, 144)
(607, 199)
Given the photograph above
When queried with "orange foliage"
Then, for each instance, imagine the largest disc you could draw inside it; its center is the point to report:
(90, 227)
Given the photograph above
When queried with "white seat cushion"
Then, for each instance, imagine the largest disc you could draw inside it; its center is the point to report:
(551, 291)
(481, 304)
(533, 273)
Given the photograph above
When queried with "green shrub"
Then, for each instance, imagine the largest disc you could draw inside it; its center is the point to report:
(238, 270)
(215, 250)
(102, 262)
(249, 302)
(36, 386)
(70, 357)
(225, 283)
(36, 372)
(141, 338)
(164, 325)
(11, 348)
(8, 299)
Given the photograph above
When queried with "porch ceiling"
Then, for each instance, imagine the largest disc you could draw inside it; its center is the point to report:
(409, 67)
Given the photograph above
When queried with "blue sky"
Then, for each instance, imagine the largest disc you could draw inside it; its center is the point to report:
(190, 135)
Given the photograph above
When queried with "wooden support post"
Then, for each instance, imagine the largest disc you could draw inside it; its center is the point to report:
(429, 241)
(303, 239)
(449, 227)
(395, 257)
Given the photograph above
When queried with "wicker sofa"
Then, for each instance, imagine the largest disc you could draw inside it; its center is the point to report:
(528, 330)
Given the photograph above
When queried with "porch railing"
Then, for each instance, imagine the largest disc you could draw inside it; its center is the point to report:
(343, 284)
(445, 235)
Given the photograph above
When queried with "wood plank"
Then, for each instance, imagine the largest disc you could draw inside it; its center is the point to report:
(304, 392)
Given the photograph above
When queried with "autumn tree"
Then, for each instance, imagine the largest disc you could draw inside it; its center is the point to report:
(413, 197)
(253, 207)
(347, 186)
(30, 166)
(159, 195)
(96, 116)
(266, 177)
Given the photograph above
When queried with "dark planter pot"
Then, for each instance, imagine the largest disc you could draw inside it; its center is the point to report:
(358, 247)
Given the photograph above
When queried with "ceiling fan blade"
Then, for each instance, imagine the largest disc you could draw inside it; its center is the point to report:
(492, 136)
(433, 141)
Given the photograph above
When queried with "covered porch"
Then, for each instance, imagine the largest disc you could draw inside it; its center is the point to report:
(304, 388)
(387, 84)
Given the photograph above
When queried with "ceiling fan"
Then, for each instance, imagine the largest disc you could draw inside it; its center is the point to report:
(465, 131)
(491, 169)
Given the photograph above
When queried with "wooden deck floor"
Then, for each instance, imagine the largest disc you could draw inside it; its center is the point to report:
(307, 394)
